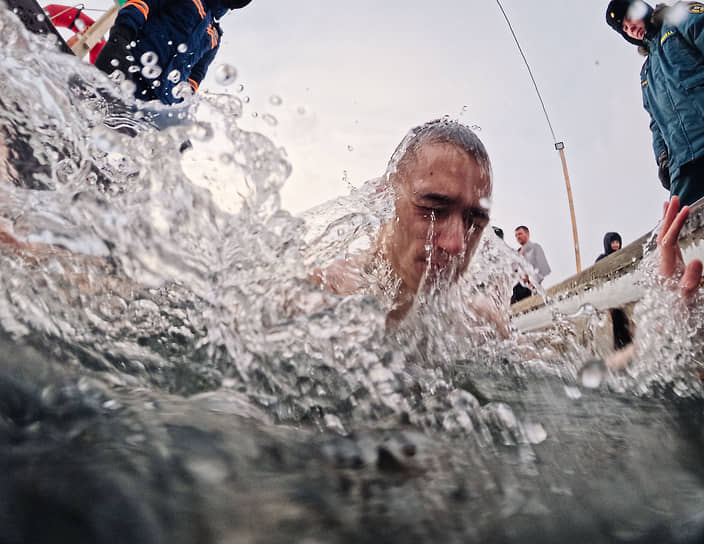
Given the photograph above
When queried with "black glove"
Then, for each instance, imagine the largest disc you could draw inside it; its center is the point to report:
(235, 4)
(114, 54)
(664, 170)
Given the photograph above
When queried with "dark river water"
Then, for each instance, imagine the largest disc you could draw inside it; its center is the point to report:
(169, 374)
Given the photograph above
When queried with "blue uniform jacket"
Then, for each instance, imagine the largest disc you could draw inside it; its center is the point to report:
(672, 81)
(185, 36)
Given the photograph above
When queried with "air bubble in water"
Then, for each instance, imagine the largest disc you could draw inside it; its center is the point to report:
(174, 76)
(275, 100)
(182, 48)
(150, 58)
(151, 71)
(225, 74)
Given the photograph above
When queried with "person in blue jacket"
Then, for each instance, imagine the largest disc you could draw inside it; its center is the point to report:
(163, 45)
(672, 82)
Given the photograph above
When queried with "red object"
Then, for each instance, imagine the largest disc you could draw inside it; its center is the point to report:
(74, 19)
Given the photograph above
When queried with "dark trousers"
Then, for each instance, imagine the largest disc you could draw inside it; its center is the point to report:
(689, 183)
(519, 293)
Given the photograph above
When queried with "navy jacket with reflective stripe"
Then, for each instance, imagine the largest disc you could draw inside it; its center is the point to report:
(185, 36)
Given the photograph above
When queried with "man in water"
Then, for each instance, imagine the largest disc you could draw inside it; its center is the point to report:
(672, 83)
(440, 177)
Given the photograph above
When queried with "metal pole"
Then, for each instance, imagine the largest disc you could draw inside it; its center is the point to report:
(560, 146)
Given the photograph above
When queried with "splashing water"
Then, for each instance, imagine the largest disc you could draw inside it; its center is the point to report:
(167, 333)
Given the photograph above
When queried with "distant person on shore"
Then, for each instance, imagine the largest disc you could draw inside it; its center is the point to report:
(612, 243)
(621, 325)
(534, 254)
(165, 46)
(672, 82)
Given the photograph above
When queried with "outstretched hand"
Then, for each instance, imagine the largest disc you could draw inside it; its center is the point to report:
(671, 263)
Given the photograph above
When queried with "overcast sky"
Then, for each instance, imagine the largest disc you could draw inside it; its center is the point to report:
(353, 77)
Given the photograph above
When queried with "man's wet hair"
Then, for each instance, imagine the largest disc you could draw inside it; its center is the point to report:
(519, 227)
(440, 131)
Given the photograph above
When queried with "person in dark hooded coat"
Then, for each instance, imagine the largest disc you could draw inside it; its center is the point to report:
(621, 325)
(164, 46)
(612, 242)
(672, 82)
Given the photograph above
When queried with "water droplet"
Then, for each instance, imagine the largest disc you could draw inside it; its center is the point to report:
(592, 373)
(245, 100)
(240, 88)
(535, 433)
(465, 108)
(41, 17)
(151, 72)
(476, 128)
(202, 131)
(275, 100)
(573, 392)
(637, 10)
(350, 148)
(270, 119)
(182, 48)
(301, 110)
(133, 69)
(225, 74)
(150, 58)
(114, 62)
(174, 76)
(182, 90)
(128, 87)
(170, 42)
(255, 114)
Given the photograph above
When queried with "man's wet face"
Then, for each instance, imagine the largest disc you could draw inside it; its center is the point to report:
(441, 199)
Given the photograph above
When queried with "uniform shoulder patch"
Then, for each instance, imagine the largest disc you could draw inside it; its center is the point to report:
(696, 7)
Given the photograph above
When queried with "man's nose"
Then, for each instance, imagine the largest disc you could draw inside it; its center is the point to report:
(450, 236)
